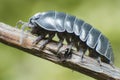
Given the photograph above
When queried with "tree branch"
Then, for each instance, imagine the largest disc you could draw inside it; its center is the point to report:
(11, 36)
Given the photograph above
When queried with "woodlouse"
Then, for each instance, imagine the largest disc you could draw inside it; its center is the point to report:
(75, 31)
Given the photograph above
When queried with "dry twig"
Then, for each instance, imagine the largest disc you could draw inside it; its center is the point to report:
(90, 67)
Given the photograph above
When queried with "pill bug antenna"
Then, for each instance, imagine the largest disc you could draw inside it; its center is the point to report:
(25, 24)
(20, 22)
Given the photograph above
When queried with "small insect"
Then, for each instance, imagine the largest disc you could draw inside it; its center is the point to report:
(76, 32)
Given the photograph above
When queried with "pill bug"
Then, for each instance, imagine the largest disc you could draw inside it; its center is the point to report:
(75, 31)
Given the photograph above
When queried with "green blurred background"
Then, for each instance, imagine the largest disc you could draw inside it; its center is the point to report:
(17, 65)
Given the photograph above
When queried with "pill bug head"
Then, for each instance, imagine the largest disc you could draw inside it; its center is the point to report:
(34, 18)
(32, 23)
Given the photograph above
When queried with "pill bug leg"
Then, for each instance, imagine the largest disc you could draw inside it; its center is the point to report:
(51, 35)
(68, 52)
(82, 50)
(38, 39)
(95, 55)
(99, 60)
(60, 44)
(61, 54)
(76, 44)
(70, 44)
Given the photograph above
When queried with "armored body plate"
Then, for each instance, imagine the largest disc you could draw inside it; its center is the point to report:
(102, 45)
(59, 21)
(69, 22)
(109, 54)
(93, 38)
(47, 21)
(85, 31)
(77, 26)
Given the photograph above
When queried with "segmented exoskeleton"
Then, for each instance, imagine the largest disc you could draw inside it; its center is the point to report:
(75, 31)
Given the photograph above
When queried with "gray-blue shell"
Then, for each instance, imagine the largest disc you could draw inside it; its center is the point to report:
(61, 22)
